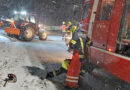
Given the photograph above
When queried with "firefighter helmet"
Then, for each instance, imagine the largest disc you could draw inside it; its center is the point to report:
(63, 22)
(69, 23)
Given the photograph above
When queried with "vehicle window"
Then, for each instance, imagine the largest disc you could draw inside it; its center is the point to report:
(123, 45)
(124, 31)
(19, 17)
(16, 17)
(106, 9)
(27, 19)
(86, 11)
(32, 19)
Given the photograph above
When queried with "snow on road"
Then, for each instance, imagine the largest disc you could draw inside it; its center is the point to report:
(30, 61)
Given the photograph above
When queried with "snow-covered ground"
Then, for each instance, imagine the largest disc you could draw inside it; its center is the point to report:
(30, 61)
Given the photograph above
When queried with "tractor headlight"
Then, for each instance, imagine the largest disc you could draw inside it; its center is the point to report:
(15, 12)
(23, 12)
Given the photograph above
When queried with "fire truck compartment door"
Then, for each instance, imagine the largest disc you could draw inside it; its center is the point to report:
(102, 24)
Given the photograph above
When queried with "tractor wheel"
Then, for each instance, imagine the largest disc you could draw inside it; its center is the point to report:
(28, 33)
(43, 36)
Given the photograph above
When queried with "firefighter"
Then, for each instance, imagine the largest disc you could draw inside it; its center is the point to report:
(78, 43)
(69, 26)
(68, 33)
(78, 46)
(72, 32)
(63, 29)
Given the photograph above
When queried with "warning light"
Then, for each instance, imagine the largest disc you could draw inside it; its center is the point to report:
(110, 50)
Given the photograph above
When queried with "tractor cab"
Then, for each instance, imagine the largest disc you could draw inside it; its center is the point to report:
(22, 19)
(123, 40)
(25, 27)
(19, 17)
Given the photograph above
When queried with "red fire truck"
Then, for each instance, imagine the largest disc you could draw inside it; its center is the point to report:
(107, 23)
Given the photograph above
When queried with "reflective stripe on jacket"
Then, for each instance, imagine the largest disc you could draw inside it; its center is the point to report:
(73, 42)
(82, 47)
(82, 44)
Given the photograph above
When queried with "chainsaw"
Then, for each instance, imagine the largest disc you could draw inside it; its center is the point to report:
(11, 79)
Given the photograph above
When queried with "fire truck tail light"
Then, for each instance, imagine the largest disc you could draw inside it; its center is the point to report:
(110, 50)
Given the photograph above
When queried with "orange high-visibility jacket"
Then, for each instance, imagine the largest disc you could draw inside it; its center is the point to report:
(63, 27)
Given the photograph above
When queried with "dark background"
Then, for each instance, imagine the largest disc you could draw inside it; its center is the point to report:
(50, 12)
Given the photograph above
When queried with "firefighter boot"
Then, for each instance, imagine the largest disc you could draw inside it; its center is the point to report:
(69, 88)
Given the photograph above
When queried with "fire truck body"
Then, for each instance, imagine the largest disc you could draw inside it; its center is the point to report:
(108, 24)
